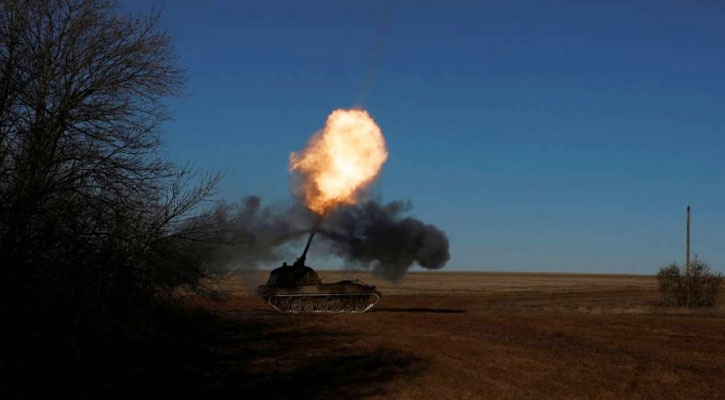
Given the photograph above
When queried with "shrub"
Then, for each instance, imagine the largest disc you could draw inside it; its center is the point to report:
(699, 288)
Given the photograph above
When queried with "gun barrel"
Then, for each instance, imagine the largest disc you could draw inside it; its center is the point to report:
(303, 258)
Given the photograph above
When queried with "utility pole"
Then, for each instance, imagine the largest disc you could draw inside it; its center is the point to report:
(687, 256)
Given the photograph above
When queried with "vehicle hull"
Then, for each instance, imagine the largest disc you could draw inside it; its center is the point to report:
(341, 297)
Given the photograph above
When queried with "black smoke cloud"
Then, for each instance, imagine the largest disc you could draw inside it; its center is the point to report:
(371, 235)
(250, 235)
(381, 236)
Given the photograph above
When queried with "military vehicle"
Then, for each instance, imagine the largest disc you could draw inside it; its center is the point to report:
(298, 289)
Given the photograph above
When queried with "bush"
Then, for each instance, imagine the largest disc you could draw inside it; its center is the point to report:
(698, 289)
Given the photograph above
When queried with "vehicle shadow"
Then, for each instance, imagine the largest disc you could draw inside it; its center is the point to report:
(420, 310)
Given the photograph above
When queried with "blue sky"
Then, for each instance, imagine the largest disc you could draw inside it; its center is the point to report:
(541, 136)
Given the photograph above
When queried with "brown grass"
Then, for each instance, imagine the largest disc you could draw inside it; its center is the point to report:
(484, 335)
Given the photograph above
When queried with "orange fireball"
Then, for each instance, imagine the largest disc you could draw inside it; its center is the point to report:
(340, 161)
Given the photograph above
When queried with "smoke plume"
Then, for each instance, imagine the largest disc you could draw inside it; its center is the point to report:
(370, 235)
(382, 237)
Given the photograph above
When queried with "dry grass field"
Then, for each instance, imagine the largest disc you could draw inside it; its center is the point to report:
(452, 335)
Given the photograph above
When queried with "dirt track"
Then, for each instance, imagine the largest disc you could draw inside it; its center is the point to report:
(479, 335)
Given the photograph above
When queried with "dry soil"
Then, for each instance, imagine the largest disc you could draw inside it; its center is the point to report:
(450, 335)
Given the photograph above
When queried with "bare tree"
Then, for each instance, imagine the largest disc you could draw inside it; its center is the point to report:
(85, 196)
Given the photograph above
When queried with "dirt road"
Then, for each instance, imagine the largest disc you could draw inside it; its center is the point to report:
(478, 336)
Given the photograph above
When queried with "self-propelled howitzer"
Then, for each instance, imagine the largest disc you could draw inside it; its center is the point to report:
(297, 288)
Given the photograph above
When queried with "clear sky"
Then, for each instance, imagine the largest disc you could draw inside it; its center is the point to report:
(541, 136)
